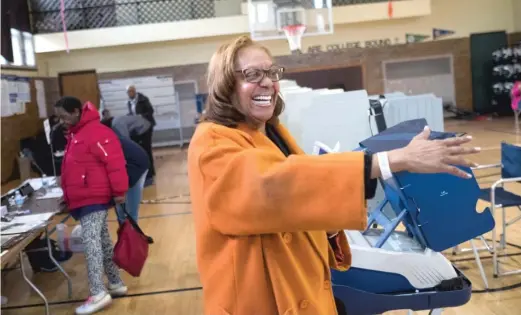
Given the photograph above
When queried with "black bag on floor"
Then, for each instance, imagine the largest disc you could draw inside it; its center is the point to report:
(38, 255)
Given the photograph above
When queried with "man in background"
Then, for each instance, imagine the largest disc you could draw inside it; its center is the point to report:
(139, 104)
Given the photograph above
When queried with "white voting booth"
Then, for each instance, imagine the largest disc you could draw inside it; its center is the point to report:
(332, 116)
(335, 116)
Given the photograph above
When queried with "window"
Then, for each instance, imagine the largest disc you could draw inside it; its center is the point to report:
(16, 40)
(28, 49)
(23, 49)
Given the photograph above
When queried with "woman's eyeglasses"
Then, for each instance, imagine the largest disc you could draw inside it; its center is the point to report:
(257, 75)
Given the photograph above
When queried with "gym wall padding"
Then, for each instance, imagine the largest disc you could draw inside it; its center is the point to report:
(481, 48)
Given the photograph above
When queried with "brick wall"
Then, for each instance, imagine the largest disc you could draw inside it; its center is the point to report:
(514, 38)
(370, 60)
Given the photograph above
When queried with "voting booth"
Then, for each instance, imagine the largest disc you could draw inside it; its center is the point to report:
(393, 269)
(333, 115)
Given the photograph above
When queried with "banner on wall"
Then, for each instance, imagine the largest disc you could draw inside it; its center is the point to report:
(439, 33)
(415, 38)
(23, 89)
(15, 92)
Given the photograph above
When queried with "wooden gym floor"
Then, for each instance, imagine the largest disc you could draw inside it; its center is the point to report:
(170, 284)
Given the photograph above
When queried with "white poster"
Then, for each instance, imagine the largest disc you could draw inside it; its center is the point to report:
(12, 90)
(16, 91)
(23, 89)
(40, 98)
(6, 109)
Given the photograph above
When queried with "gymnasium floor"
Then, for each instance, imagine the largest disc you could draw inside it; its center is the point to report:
(170, 284)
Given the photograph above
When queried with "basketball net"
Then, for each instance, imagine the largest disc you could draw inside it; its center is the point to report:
(294, 35)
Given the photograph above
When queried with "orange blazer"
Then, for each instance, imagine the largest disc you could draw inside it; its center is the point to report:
(260, 221)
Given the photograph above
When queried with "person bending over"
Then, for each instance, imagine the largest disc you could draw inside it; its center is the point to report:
(133, 127)
(137, 169)
(267, 216)
(93, 176)
(139, 104)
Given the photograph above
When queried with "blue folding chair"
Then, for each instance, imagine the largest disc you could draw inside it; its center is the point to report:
(499, 197)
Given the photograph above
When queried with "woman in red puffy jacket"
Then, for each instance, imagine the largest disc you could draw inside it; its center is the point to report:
(93, 177)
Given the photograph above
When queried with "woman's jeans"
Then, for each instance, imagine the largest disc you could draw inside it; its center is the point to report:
(132, 200)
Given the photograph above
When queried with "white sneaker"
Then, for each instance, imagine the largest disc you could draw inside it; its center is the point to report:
(94, 304)
(117, 289)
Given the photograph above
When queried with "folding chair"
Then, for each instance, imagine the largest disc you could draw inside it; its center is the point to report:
(499, 197)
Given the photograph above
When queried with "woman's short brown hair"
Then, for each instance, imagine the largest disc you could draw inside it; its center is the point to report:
(221, 80)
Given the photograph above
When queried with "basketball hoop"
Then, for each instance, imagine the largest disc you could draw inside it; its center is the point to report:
(294, 35)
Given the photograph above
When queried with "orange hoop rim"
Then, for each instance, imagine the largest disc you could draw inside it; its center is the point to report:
(293, 28)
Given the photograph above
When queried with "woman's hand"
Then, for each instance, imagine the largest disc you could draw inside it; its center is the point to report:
(433, 156)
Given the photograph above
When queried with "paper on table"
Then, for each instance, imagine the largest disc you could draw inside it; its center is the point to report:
(25, 223)
(55, 192)
(36, 183)
(6, 238)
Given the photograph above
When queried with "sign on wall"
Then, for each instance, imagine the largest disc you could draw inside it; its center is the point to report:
(415, 38)
(375, 43)
(440, 33)
(410, 38)
(16, 91)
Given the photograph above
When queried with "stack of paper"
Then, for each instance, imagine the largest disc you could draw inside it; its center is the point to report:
(50, 193)
(25, 223)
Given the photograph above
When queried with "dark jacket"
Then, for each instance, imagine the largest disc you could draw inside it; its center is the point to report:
(107, 121)
(143, 107)
(136, 157)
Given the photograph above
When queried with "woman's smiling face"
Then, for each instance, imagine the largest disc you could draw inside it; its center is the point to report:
(257, 87)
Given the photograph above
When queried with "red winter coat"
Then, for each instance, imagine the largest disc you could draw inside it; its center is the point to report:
(93, 168)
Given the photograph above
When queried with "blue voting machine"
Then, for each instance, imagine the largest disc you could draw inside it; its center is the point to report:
(403, 268)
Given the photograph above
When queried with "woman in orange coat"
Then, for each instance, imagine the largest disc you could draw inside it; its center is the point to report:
(266, 215)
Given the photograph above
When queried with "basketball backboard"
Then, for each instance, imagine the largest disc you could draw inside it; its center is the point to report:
(268, 19)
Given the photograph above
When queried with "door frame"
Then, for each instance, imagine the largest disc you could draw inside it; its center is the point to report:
(62, 74)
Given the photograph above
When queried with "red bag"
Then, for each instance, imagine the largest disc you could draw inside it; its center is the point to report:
(131, 250)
